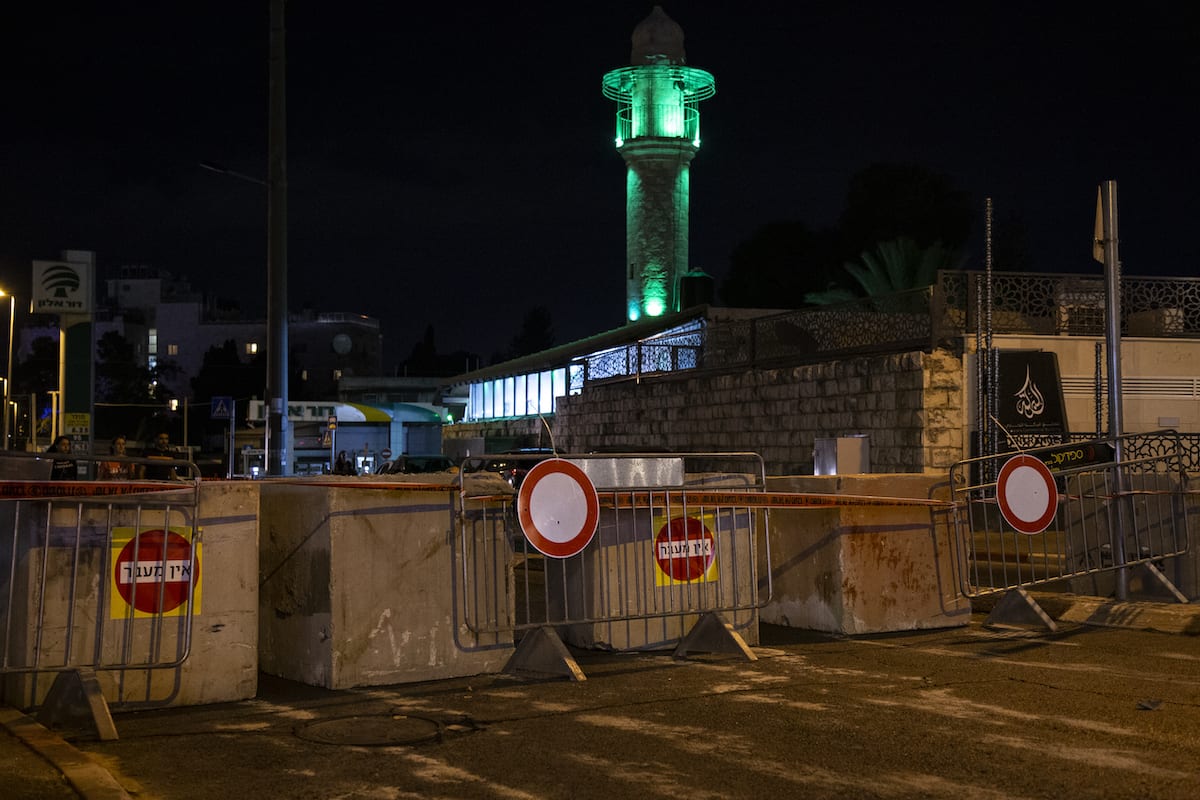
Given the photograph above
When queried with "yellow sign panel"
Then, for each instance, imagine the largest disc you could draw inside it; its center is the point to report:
(75, 424)
(685, 550)
(155, 573)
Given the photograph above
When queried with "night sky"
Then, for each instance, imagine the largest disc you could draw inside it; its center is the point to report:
(454, 165)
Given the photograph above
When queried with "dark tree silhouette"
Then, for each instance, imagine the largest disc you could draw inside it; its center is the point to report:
(423, 360)
(536, 333)
(119, 376)
(899, 265)
(38, 373)
(1010, 244)
(778, 265)
(784, 263)
(224, 374)
(890, 201)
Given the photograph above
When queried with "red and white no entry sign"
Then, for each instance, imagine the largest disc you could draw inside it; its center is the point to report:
(684, 549)
(1027, 494)
(156, 565)
(558, 508)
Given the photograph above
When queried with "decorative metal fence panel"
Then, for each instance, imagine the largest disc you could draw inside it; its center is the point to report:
(1021, 303)
(1034, 303)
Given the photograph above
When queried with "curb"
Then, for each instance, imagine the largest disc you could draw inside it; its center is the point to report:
(1174, 618)
(90, 780)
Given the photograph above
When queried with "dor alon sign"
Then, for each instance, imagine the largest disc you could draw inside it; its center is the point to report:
(62, 287)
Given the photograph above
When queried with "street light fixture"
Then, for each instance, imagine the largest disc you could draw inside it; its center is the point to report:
(8, 376)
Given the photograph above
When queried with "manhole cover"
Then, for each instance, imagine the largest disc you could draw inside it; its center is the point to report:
(378, 730)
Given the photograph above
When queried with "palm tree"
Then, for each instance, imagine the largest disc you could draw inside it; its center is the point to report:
(898, 265)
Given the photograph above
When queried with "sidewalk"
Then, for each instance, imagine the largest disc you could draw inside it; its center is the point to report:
(859, 717)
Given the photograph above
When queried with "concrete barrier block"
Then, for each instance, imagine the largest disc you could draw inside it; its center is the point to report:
(860, 569)
(359, 587)
(68, 609)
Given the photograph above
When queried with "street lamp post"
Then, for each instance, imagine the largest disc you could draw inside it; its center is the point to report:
(8, 375)
(277, 299)
(276, 395)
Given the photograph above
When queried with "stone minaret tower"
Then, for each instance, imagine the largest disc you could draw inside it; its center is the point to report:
(658, 132)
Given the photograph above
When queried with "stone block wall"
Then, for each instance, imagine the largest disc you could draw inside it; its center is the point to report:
(911, 405)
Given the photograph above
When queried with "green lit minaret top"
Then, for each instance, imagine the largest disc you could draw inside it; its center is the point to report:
(658, 95)
(658, 133)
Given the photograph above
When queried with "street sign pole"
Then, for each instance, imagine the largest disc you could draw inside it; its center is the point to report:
(232, 438)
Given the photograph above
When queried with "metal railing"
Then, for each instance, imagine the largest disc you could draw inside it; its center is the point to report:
(96, 577)
(676, 552)
(1095, 514)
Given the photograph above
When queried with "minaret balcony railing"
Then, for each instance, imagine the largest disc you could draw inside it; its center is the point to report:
(630, 128)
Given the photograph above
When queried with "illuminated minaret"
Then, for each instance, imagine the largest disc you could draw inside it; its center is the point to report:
(658, 132)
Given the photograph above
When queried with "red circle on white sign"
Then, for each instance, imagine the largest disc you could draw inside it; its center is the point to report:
(684, 549)
(152, 561)
(558, 508)
(1027, 494)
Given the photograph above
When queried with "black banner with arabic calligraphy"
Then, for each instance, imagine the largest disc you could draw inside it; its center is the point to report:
(1030, 400)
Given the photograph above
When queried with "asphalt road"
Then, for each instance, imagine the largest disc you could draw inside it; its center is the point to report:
(1086, 712)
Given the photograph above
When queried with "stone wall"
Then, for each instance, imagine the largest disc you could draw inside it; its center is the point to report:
(911, 405)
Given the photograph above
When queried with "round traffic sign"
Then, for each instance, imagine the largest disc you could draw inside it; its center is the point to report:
(153, 564)
(558, 508)
(684, 549)
(1027, 494)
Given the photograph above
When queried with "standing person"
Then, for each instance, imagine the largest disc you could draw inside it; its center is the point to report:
(342, 466)
(116, 470)
(63, 469)
(160, 452)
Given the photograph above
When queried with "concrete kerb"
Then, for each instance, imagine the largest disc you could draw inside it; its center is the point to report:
(1173, 618)
(88, 779)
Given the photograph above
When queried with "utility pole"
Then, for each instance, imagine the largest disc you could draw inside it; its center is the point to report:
(278, 438)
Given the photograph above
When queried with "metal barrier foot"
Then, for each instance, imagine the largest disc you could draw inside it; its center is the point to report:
(1018, 609)
(542, 652)
(75, 699)
(1149, 581)
(712, 634)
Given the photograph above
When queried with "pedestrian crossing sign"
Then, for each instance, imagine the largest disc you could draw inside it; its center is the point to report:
(222, 408)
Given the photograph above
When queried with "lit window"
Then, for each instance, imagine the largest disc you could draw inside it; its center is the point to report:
(152, 341)
(337, 374)
(303, 374)
(251, 348)
(172, 349)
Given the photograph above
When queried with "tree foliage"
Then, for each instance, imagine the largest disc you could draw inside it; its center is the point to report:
(778, 264)
(899, 265)
(38, 372)
(119, 376)
(224, 374)
(535, 335)
(890, 201)
(786, 264)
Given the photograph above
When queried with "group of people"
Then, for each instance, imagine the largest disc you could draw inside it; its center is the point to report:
(159, 454)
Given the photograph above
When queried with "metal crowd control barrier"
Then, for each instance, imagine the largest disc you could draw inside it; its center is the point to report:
(96, 577)
(676, 558)
(1069, 511)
